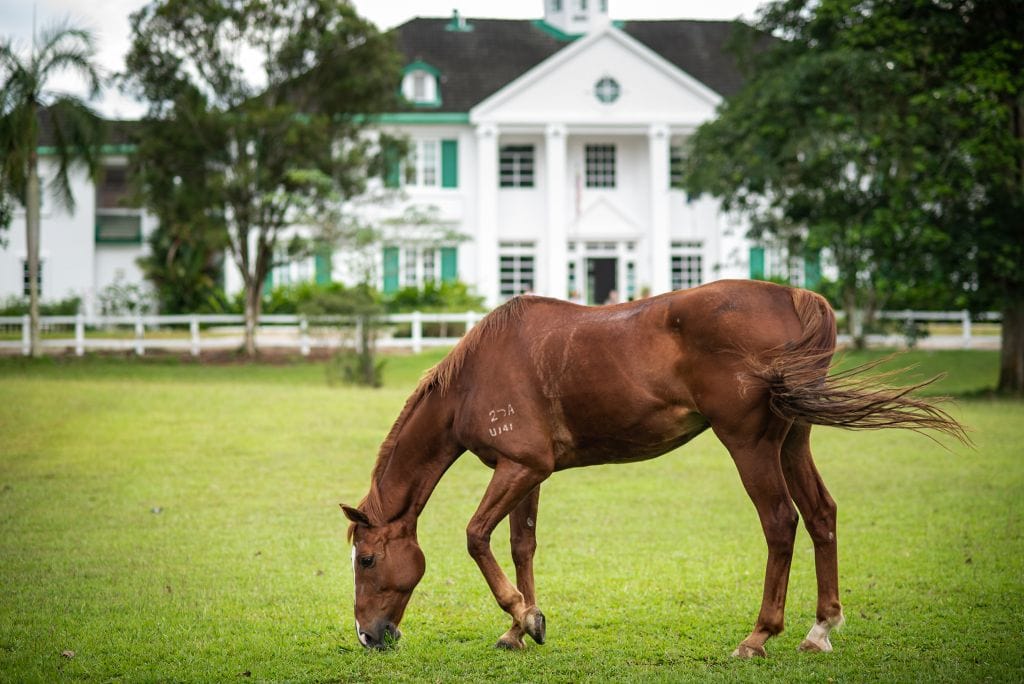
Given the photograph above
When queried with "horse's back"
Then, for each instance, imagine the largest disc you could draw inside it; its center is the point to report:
(621, 382)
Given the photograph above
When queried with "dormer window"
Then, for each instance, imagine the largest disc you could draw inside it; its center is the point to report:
(421, 85)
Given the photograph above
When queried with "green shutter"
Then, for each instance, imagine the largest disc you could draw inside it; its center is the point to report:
(757, 263)
(392, 167)
(390, 270)
(268, 282)
(323, 266)
(812, 269)
(449, 163)
(449, 264)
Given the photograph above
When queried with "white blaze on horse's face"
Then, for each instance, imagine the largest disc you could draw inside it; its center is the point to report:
(388, 564)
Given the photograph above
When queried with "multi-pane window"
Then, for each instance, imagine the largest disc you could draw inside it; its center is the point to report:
(515, 166)
(675, 166)
(600, 166)
(116, 221)
(687, 265)
(516, 262)
(423, 165)
(26, 281)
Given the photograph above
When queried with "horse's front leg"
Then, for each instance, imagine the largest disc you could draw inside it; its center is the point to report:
(511, 483)
(523, 533)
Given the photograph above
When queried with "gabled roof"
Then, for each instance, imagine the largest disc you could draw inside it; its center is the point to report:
(476, 63)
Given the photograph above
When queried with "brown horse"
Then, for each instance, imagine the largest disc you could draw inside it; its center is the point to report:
(542, 385)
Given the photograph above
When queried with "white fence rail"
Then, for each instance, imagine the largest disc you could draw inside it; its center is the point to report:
(196, 333)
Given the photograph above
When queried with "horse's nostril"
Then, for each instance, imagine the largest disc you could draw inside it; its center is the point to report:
(366, 640)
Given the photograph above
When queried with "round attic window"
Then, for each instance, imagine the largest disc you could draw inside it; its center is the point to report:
(607, 90)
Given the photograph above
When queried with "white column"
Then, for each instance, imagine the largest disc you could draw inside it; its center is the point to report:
(487, 212)
(661, 246)
(554, 244)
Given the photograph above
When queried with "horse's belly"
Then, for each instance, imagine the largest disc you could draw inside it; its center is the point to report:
(645, 439)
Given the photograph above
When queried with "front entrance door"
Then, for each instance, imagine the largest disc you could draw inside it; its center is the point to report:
(602, 279)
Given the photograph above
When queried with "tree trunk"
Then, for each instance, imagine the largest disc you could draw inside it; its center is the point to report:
(252, 316)
(1011, 366)
(32, 210)
(854, 319)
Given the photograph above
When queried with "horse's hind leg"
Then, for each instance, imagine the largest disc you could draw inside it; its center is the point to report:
(819, 512)
(756, 455)
(523, 532)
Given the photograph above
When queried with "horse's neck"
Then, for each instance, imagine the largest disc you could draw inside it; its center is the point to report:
(424, 448)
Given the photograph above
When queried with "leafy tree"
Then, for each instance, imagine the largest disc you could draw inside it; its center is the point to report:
(272, 99)
(26, 101)
(892, 133)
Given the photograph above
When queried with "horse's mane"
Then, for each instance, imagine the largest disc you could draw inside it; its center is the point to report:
(439, 379)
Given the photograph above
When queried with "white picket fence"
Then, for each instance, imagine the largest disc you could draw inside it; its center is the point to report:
(196, 333)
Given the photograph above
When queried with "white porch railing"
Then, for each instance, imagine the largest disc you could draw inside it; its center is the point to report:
(195, 333)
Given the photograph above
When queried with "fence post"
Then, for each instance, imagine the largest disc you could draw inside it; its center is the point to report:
(26, 341)
(140, 347)
(965, 318)
(417, 332)
(303, 336)
(470, 320)
(193, 330)
(79, 335)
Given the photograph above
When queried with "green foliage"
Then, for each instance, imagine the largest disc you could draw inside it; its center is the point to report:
(147, 533)
(18, 306)
(448, 296)
(252, 156)
(889, 133)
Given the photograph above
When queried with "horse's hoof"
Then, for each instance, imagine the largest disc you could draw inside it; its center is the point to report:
(505, 644)
(747, 651)
(536, 626)
(809, 646)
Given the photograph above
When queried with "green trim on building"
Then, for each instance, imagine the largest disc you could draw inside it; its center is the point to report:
(323, 266)
(757, 263)
(420, 65)
(812, 269)
(48, 150)
(449, 264)
(559, 34)
(390, 270)
(118, 229)
(556, 33)
(449, 163)
(422, 118)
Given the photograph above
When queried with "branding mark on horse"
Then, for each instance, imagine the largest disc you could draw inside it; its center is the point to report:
(502, 414)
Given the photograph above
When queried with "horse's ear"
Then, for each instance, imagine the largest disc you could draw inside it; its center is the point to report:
(356, 515)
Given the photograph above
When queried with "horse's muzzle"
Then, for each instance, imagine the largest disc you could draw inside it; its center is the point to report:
(382, 637)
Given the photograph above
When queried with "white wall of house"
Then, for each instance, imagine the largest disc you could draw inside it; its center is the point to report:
(73, 263)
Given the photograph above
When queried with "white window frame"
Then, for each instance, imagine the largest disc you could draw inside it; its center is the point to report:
(517, 165)
(689, 256)
(422, 168)
(599, 165)
(517, 268)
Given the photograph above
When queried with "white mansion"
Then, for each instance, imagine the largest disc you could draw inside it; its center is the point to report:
(552, 145)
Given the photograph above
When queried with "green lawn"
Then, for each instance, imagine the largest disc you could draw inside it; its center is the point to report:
(173, 521)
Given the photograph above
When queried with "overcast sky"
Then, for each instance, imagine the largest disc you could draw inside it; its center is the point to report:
(108, 19)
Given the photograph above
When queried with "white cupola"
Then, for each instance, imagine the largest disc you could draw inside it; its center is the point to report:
(576, 17)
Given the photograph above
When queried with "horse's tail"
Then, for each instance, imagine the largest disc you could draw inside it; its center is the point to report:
(801, 388)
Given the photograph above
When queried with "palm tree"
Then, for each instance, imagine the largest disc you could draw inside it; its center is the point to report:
(76, 131)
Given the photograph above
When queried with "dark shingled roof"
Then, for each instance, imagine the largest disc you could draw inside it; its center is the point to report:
(477, 63)
(116, 132)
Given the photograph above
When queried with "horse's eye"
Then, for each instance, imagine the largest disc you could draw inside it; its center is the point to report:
(367, 561)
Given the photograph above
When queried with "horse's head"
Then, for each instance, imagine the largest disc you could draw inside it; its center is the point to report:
(388, 564)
